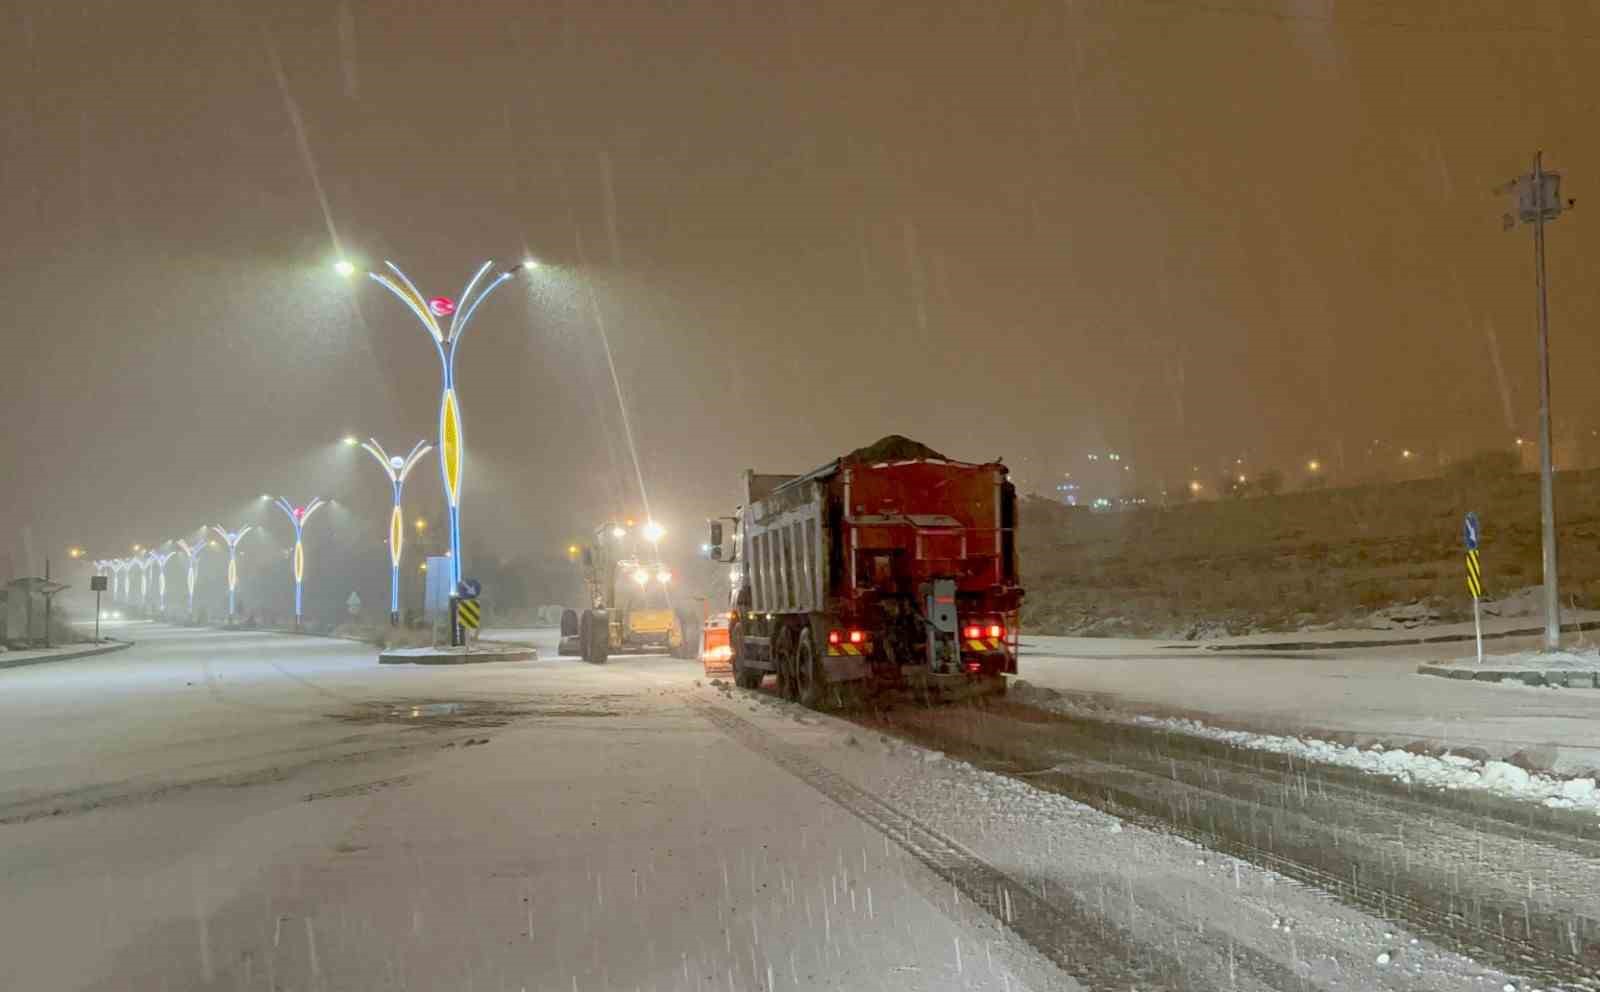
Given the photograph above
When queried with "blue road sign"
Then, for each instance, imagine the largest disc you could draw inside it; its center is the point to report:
(1469, 531)
(469, 589)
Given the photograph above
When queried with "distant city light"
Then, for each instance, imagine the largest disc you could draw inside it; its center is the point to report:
(1194, 486)
(1314, 465)
(1406, 453)
(74, 552)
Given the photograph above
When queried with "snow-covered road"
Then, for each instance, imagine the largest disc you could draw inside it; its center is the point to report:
(254, 811)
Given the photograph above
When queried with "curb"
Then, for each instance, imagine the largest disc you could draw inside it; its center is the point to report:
(106, 649)
(1568, 678)
(1566, 628)
(444, 657)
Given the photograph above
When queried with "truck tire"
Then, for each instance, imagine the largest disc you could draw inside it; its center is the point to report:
(596, 636)
(810, 679)
(569, 623)
(689, 630)
(783, 651)
(743, 676)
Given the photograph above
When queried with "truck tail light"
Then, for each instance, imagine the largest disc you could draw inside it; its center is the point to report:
(973, 632)
(857, 636)
(974, 666)
(834, 636)
(995, 630)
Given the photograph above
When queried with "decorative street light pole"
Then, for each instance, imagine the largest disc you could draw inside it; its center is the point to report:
(116, 567)
(445, 341)
(396, 468)
(298, 515)
(232, 539)
(193, 551)
(160, 558)
(146, 560)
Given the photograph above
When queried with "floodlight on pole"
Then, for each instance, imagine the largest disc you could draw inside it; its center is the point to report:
(396, 467)
(193, 551)
(298, 515)
(232, 538)
(446, 339)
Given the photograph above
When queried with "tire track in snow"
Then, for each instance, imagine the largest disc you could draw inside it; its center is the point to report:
(1065, 931)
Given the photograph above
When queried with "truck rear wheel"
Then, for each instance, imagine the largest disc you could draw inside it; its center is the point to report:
(596, 625)
(809, 678)
(783, 654)
(744, 676)
(689, 636)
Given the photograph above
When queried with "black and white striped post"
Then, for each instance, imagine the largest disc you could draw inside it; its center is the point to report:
(1469, 537)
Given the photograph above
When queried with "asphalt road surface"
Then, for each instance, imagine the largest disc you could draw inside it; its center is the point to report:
(215, 810)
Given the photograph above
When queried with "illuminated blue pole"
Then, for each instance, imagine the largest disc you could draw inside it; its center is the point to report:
(396, 468)
(232, 539)
(446, 340)
(193, 551)
(145, 561)
(298, 515)
(160, 558)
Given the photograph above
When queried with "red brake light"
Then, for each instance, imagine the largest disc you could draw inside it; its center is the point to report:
(856, 637)
(833, 637)
(995, 630)
(973, 632)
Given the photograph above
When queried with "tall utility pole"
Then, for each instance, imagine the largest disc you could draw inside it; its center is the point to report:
(1538, 200)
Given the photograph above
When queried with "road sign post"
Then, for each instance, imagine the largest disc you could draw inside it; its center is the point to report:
(1470, 533)
(98, 584)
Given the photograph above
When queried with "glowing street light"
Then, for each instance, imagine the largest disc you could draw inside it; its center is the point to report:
(193, 551)
(1313, 465)
(446, 339)
(74, 552)
(344, 268)
(396, 468)
(618, 533)
(298, 515)
(654, 532)
(160, 558)
(232, 538)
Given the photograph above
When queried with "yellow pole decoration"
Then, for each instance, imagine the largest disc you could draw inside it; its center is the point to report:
(450, 445)
(397, 535)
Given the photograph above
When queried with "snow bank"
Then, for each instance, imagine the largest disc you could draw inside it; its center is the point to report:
(1539, 661)
(1450, 771)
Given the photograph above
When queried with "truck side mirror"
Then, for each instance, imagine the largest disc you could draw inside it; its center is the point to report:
(715, 552)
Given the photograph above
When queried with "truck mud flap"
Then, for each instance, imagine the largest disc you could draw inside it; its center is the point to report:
(845, 668)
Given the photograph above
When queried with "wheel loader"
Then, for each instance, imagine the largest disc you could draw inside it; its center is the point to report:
(630, 605)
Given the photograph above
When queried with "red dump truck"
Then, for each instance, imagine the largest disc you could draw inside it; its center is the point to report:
(891, 566)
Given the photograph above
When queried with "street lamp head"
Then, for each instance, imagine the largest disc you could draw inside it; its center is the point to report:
(653, 532)
(344, 268)
(1314, 465)
(396, 462)
(529, 264)
(350, 441)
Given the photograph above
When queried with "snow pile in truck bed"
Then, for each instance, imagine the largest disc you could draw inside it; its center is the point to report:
(1450, 771)
(893, 448)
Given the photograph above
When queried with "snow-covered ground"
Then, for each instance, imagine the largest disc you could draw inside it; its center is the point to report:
(1353, 697)
(246, 811)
